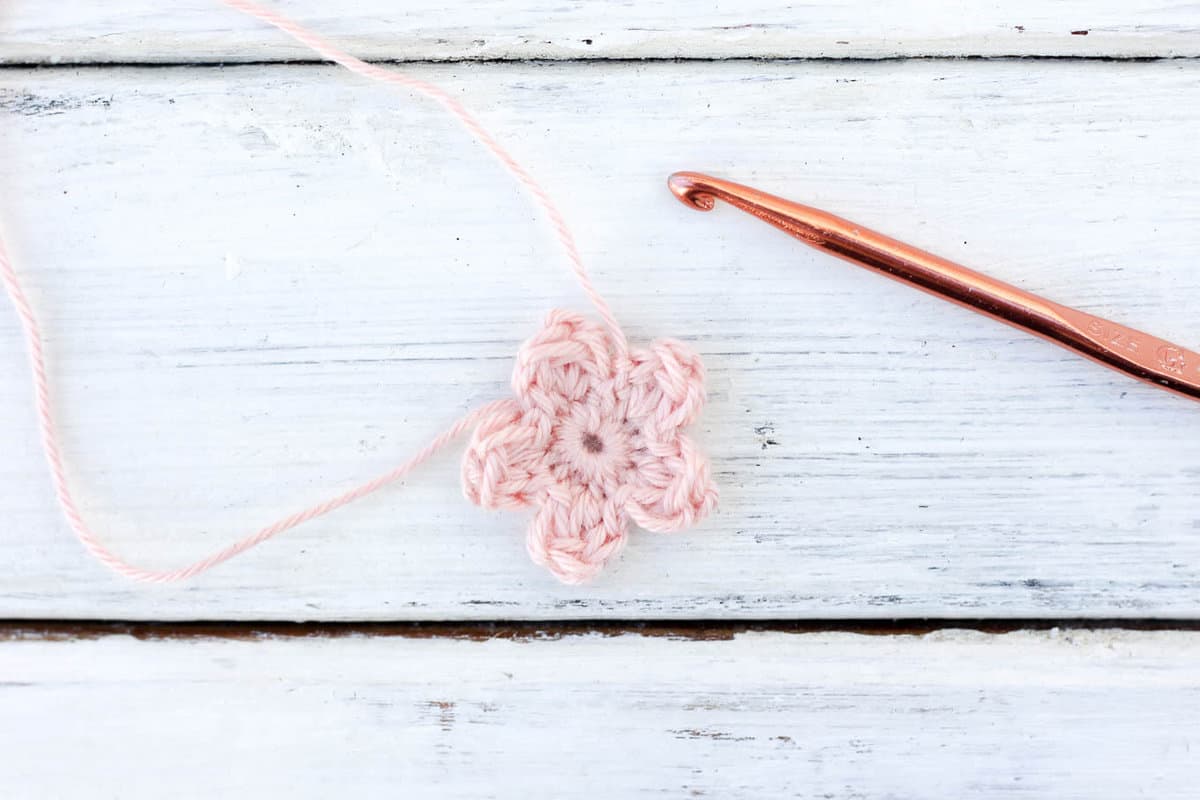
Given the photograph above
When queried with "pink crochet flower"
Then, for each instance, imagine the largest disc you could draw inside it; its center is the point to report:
(592, 440)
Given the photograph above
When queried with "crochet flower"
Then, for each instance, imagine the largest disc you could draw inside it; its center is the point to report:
(592, 440)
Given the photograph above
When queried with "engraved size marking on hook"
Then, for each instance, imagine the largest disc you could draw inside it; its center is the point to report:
(1114, 336)
(1171, 358)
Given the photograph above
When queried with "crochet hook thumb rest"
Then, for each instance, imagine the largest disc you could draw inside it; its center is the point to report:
(1140, 355)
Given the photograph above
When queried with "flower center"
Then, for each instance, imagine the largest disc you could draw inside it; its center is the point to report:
(590, 448)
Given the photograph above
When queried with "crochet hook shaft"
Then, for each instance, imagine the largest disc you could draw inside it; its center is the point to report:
(1118, 347)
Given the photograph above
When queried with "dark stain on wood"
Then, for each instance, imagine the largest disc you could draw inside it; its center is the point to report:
(766, 435)
(717, 736)
(445, 713)
(32, 105)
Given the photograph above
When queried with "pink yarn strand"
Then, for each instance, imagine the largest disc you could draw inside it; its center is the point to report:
(48, 428)
(47, 420)
(330, 52)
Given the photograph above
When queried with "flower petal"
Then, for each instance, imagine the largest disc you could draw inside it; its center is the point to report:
(504, 466)
(561, 363)
(672, 487)
(669, 377)
(575, 532)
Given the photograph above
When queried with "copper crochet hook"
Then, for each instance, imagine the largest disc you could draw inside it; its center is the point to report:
(1118, 347)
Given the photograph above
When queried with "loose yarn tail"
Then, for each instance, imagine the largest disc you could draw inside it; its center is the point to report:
(331, 52)
(47, 422)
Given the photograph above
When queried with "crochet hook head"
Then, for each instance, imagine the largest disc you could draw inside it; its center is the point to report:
(1133, 352)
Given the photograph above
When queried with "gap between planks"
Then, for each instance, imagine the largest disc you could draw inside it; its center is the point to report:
(523, 630)
(648, 60)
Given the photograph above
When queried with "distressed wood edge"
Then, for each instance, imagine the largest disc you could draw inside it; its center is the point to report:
(141, 30)
(219, 61)
(528, 631)
(1066, 45)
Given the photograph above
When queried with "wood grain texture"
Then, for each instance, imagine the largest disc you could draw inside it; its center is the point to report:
(1055, 714)
(84, 31)
(265, 283)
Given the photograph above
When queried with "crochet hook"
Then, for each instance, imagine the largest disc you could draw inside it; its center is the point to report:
(1133, 352)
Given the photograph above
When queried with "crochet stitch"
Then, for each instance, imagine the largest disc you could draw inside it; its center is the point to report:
(592, 440)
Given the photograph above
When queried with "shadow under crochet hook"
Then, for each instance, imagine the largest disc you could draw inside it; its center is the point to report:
(1145, 357)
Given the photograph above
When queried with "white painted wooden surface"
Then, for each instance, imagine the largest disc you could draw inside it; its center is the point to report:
(34, 31)
(265, 283)
(1078, 715)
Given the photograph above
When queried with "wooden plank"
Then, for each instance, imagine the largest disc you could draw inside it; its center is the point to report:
(1064, 714)
(263, 284)
(82, 31)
